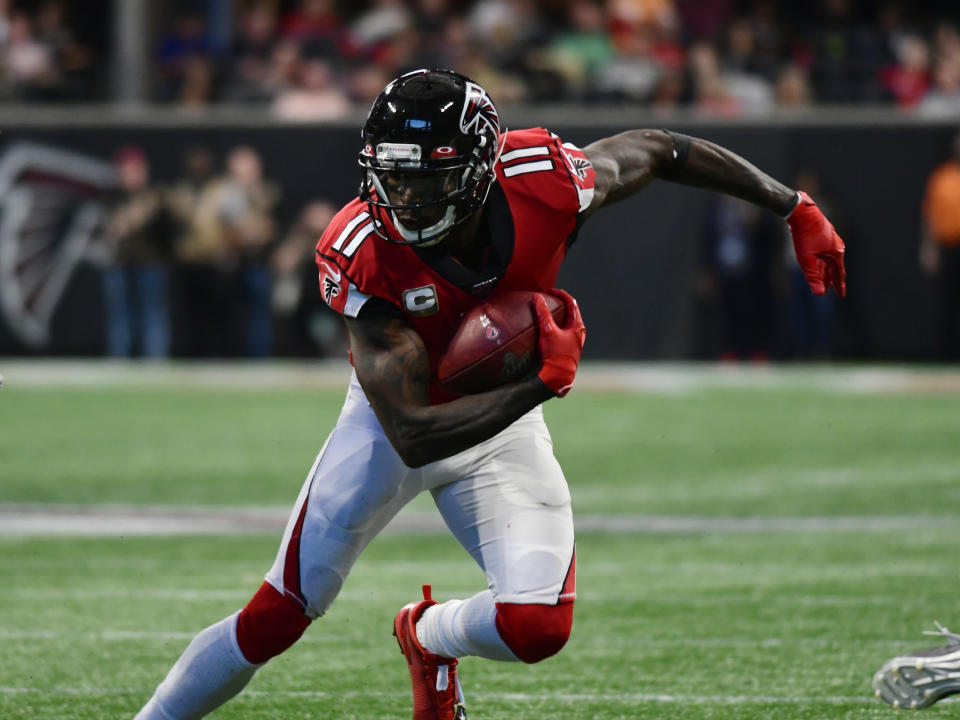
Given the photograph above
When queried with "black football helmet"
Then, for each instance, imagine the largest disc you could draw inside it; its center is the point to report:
(430, 143)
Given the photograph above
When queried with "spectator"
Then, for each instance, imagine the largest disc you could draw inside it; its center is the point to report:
(659, 16)
(704, 19)
(940, 247)
(366, 82)
(249, 73)
(244, 208)
(741, 54)
(432, 17)
(710, 91)
(29, 64)
(72, 59)
(811, 317)
(184, 62)
(744, 73)
(635, 73)
(284, 70)
(909, 79)
(203, 264)
(792, 89)
(837, 68)
(317, 96)
(196, 82)
(380, 22)
(737, 254)
(304, 323)
(582, 46)
(135, 284)
(317, 27)
(943, 100)
(768, 37)
(5, 19)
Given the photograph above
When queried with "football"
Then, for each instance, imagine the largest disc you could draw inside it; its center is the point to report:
(496, 343)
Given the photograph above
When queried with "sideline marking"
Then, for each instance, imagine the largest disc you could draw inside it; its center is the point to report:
(18, 520)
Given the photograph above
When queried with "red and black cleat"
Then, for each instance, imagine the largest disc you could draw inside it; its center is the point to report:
(436, 688)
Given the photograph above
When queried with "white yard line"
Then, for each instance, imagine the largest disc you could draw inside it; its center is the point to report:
(643, 377)
(122, 520)
(627, 698)
(326, 634)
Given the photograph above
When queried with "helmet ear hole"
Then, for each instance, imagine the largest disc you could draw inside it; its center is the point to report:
(428, 124)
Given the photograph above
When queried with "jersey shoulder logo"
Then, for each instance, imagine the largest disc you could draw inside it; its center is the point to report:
(578, 164)
(330, 281)
(331, 289)
(335, 274)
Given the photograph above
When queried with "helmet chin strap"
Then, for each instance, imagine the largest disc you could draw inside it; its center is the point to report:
(430, 235)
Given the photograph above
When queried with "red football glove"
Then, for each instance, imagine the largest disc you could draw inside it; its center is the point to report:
(560, 347)
(819, 249)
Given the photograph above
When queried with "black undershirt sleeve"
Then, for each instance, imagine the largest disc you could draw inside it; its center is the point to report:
(377, 307)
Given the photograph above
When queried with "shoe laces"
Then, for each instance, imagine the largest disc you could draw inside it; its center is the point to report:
(952, 637)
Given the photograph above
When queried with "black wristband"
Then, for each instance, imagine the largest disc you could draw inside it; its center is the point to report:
(681, 150)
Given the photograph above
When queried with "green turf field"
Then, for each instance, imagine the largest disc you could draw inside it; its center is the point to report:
(696, 620)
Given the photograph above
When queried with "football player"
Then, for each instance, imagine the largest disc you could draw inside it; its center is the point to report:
(453, 209)
(918, 679)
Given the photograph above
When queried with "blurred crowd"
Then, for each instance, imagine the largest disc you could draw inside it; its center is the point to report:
(200, 267)
(322, 59)
(41, 59)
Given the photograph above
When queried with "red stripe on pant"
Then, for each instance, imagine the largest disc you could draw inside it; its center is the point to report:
(291, 563)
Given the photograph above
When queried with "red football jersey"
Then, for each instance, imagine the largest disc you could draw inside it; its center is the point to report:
(531, 216)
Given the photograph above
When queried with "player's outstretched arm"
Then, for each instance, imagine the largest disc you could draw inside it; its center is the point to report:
(392, 365)
(626, 163)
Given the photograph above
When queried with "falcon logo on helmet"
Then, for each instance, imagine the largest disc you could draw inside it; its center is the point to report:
(430, 146)
(478, 109)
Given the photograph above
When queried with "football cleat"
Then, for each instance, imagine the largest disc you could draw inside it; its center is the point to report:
(436, 688)
(919, 679)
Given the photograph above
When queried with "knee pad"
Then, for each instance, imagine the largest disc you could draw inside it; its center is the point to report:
(534, 632)
(269, 624)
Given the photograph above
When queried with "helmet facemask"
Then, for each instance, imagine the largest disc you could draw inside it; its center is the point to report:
(423, 200)
(428, 163)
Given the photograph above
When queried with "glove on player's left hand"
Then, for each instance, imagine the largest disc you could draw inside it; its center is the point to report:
(560, 347)
(819, 249)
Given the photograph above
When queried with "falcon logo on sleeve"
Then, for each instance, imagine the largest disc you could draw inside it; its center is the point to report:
(329, 282)
(578, 165)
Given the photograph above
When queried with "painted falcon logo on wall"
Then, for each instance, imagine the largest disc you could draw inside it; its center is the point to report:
(51, 206)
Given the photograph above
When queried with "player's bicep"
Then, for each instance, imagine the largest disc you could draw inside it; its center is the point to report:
(392, 365)
(625, 163)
